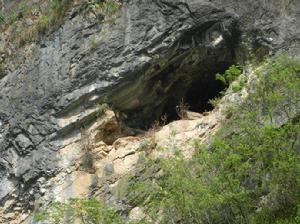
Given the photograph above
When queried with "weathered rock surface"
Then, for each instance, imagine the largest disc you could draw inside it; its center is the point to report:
(143, 64)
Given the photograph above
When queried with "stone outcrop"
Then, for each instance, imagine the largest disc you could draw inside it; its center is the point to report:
(150, 57)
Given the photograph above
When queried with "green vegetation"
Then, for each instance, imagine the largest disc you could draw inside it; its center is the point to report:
(80, 210)
(109, 7)
(232, 77)
(215, 101)
(2, 17)
(231, 74)
(11, 17)
(103, 106)
(104, 9)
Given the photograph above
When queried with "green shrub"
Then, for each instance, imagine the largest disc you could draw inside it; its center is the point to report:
(231, 74)
(79, 211)
(110, 7)
(215, 101)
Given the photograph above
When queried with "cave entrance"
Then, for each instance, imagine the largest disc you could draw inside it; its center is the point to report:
(205, 88)
(201, 92)
(190, 77)
(157, 98)
(197, 95)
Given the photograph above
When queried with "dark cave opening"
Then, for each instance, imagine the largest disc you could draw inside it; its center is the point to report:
(159, 96)
(200, 92)
(188, 77)
(197, 95)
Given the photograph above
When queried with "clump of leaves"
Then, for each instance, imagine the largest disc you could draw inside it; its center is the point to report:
(102, 106)
(110, 7)
(215, 101)
(230, 75)
(103, 8)
(79, 211)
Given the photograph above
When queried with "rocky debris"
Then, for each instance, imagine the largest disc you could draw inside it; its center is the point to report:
(136, 214)
(180, 135)
(153, 55)
(108, 131)
(193, 115)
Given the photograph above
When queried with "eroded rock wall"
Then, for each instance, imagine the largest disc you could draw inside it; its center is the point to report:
(148, 56)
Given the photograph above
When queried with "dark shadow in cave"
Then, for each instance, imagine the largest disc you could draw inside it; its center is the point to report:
(203, 90)
(199, 93)
(196, 86)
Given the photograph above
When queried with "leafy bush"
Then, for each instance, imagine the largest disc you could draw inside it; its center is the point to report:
(231, 74)
(104, 9)
(110, 7)
(93, 43)
(102, 108)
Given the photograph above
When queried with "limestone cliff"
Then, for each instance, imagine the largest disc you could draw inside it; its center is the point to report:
(140, 61)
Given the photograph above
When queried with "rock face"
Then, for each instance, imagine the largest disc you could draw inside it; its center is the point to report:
(154, 54)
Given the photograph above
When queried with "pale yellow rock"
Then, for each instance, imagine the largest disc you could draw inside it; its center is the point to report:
(190, 115)
(136, 214)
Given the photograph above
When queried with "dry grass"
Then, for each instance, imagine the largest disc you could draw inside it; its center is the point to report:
(47, 16)
(46, 22)
(182, 109)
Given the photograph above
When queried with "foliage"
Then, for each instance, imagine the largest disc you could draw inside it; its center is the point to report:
(232, 77)
(231, 74)
(103, 8)
(2, 17)
(250, 173)
(109, 7)
(102, 108)
(79, 211)
(215, 101)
